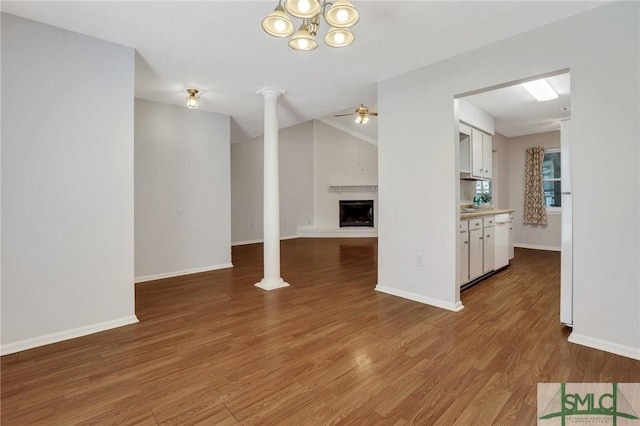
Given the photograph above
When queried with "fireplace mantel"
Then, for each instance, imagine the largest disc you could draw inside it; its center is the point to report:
(372, 188)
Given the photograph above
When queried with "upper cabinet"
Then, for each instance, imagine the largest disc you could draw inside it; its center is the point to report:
(481, 157)
(475, 153)
(465, 149)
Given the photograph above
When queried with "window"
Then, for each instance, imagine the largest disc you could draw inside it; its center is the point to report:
(551, 178)
(483, 187)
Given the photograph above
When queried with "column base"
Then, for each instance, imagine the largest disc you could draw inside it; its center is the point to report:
(272, 284)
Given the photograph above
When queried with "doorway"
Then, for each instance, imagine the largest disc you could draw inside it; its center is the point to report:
(515, 121)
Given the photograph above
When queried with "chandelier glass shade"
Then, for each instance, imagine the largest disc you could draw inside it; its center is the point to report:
(339, 15)
(304, 9)
(302, 40)
(342, 14)
(277, 23)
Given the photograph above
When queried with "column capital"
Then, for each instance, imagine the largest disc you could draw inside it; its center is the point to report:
(271, 92)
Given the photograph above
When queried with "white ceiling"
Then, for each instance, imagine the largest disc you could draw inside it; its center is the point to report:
(220, 48)
(516, 111)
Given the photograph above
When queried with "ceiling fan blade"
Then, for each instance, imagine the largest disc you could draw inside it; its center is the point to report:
(343, 115)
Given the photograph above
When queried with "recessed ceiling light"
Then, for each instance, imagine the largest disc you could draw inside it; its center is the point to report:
(541, 90)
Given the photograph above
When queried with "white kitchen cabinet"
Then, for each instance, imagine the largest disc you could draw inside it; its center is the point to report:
(511, 251)
(481, 149)
(488, 246)
(476, 248)
(463, 255)
(465, 148)
(487, 153)
(501, 240)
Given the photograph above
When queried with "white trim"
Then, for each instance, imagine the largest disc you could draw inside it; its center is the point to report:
(242, 243)
(455, 307)
(348, 130)
(537, 247)
(172, 274)
(346, 232)
(605, 345)
(73, 333)
(269, 285)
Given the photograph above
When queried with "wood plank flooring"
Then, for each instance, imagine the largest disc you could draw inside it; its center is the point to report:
(212, 349)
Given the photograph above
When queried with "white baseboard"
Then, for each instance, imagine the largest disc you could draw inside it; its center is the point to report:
(180, 273)
(349, 232)
(536, 247)
(605, 345)
(243, 243)
(48, 339)
(455, 307)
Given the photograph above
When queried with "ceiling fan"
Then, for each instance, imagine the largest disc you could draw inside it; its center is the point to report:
(362, 114)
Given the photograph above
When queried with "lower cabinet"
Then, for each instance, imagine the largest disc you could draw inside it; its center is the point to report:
(476, 266)
(511, 251)
(489, 245)
(463, 259)
(477, 245)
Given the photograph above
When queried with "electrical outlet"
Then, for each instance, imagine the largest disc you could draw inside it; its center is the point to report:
(420, 259)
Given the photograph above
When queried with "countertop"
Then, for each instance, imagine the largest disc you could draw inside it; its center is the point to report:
(487, 212)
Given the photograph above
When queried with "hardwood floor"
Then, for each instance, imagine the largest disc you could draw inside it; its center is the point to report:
(211, 348)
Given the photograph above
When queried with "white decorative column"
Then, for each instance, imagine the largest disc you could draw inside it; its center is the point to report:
(272, 279)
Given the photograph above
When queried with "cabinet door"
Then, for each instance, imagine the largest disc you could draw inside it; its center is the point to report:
(476, 153)
(465, 148)
(489, 250)
(463, 260)
(475, 253)
(511, 251)
(487, 151)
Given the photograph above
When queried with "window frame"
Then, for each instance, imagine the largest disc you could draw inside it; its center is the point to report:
(554, 209)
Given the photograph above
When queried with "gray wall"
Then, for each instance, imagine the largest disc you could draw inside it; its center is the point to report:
(531, 236)
(296, 184)
(416, 146)
(67, 184)
(182, 191)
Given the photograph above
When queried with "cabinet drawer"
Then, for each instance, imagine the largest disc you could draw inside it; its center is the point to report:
(464, 226)
(488, 222)
(475, 224)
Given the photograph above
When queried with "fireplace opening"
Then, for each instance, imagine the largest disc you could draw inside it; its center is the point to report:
(356, 213)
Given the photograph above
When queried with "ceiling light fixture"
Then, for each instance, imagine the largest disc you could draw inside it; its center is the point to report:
(339, 15)
(541, 90)
(362, 119)
(193, 100)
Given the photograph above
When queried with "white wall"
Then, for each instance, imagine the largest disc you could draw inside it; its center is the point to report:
(67, 184)
(341, 159)
(296, 184)
(417, 125)
(182, 191)
(546, 237)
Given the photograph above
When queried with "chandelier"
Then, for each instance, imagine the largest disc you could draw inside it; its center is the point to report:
(339, 15)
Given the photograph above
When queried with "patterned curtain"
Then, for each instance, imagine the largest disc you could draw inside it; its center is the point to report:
(534, 206)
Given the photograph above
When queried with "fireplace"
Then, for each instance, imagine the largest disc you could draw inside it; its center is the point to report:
(356, 213)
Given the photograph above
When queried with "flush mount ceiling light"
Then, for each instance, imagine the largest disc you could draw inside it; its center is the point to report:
(339, 15)
(541, 90)
(193, 100)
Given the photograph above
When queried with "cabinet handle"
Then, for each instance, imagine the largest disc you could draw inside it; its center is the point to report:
(466, 242)
(488, 236)
(481, 238)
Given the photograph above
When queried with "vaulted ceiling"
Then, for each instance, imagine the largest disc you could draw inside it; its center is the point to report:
(220, 48)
